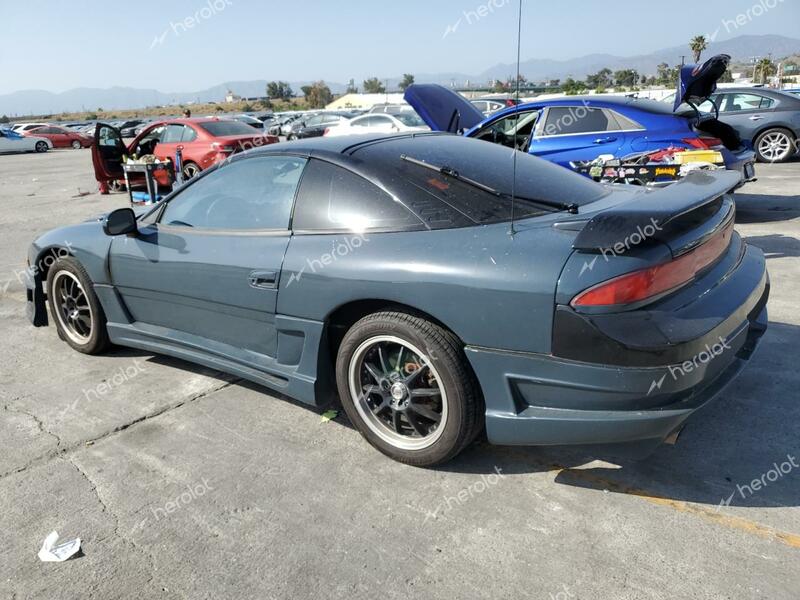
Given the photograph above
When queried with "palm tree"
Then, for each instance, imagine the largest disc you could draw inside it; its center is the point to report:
(697, 45)
(765, 68)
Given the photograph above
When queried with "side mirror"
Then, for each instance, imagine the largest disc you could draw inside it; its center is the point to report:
(120, 222)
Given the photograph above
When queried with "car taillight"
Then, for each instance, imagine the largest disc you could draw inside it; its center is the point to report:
(653, 281)
(222, 147)
(703, 143)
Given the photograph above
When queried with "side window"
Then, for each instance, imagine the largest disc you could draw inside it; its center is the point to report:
(334, 199)
(172, 134)
(572, 120)
(624, 122)
(512, 131)
(189, 135)
(737, 102)
(250, 194)
(362, 122)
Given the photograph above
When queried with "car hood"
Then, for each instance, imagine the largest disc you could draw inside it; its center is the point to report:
(442, 109)
(698, 82)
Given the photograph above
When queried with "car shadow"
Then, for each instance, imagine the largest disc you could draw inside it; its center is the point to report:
(742, 449)
(766, 208)
(776, 245)
(748, 434)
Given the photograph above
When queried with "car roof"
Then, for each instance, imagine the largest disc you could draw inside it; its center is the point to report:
(644, 104)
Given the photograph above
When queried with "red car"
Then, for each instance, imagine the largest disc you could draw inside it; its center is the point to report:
(61, 136)
(203, 142)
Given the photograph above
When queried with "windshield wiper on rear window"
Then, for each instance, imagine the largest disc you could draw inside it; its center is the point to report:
(453, 174)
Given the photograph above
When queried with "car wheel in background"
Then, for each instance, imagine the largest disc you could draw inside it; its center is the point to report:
(42, 147)
(775, 145)
(76, 145)
(74, 307)
(190, 170)
(292, 137)
(405, 383)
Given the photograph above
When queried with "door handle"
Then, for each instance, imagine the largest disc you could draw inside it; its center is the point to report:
(605, 140)
(756, 118)
(263, 279)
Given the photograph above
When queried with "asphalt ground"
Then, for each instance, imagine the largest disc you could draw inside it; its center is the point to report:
(186, 483)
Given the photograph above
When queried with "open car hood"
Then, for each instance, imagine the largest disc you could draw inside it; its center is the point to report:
(442, 109)
(698, 82)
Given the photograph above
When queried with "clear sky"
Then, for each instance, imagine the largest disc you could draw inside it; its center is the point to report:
(57, 44)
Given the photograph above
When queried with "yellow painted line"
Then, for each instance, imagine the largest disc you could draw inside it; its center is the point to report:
(711, 515)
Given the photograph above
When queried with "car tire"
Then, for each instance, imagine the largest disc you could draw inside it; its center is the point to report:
(76, 145)
(775, 145)
(74, 307)
(190, 170)
(422, 410)
(42, 147)
(292, 137)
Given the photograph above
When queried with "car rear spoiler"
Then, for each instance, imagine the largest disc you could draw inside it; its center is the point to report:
(660, 210)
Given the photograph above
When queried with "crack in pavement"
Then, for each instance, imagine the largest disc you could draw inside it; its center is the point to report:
(60, 452)
(117, 534)
(36, 419)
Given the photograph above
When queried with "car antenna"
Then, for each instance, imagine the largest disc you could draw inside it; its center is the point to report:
(516, 124)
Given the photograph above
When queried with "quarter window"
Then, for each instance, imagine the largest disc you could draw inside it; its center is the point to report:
(333, 199)
(572, 120)
(250, 194)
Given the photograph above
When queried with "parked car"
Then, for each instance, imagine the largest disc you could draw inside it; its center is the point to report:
(489, 107)
(203, 141)
(442, 324)
(379, 123)
(391, 109)
(316, 125)
(578, 129)
(793, 91)
(128, 128)
(298, 122)
(23, 127)
(12, 142)
(770, 119)
(248, 120)
(61, 137)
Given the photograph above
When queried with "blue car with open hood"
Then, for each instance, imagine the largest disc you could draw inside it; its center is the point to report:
(578, 129)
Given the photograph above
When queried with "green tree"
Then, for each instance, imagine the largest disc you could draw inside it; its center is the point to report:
(697, 44)
(625, 78)
(279, 90)
(408, 80)
(318, 95)
(765, 68)
(600, 79)
(373, 85)
(4, 119)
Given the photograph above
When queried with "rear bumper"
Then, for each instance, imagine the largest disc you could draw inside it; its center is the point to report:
(744, 162)
(537, 399)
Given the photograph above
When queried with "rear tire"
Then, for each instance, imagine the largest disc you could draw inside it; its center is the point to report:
(42, 147)
(775, 145)
(406, 385)
(76, 145)
(74, 307)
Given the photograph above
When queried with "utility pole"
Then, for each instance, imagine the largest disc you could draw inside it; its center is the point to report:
(683, 60)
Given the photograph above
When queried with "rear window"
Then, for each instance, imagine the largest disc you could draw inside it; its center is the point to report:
(444, 202)
(223, 128)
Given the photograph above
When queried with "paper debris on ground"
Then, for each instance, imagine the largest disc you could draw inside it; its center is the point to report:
(53, 552)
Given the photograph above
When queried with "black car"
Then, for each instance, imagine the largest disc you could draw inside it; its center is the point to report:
(315, 126)
(128, 128)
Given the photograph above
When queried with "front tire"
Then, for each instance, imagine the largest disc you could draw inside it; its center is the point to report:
(42, 147)
(76, 145)
(775, 146)
(74, 307)
(407, 387)
(190, 170)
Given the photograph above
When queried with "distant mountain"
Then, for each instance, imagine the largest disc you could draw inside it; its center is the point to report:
(741, 48)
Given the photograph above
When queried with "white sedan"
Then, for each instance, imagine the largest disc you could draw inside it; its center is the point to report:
(379, 123)
(10, 141)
